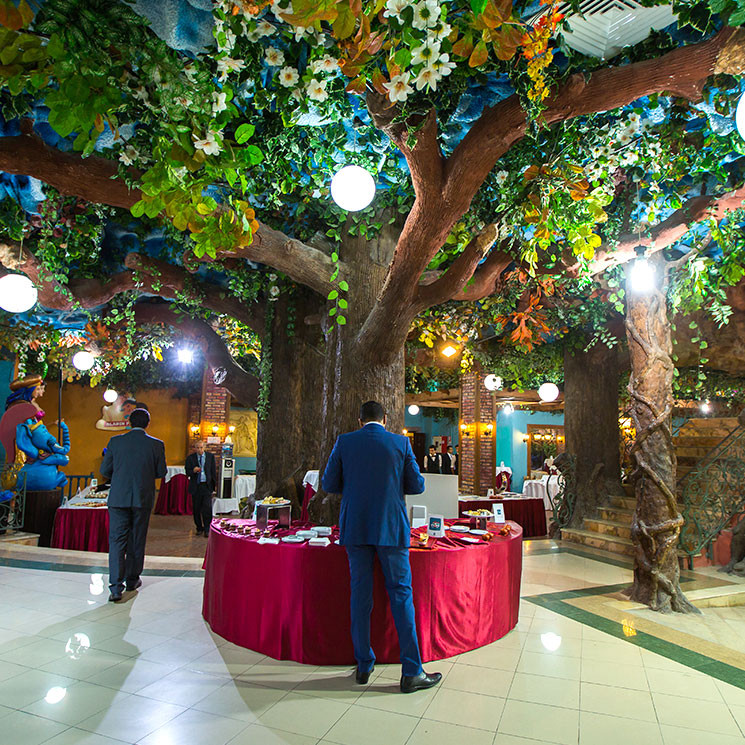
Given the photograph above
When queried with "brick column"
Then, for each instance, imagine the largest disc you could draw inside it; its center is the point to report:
(215, 410)
(476, 444)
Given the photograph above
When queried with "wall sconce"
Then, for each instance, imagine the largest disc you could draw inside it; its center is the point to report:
(405, 431)
(231, 428)
(560, 438)
(215, 429)
(465, 429)
(194, 429)
(526, 438)
(489, 428)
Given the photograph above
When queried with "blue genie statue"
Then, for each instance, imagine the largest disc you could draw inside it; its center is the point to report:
(24, 437)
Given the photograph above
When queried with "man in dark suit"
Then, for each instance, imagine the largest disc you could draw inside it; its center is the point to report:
(372, 469)
(432, 461)
(200, 468)
(132, 461)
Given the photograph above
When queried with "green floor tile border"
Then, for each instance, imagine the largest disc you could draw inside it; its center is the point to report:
(618, 561)
(556, 602)
(86, 569)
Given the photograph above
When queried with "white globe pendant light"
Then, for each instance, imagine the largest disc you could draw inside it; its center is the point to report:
(740, 116)
(83, 360)
(492, 382)
(413, 409)
(352, 188)
(17, 293)
(110, 395)
(548, 392)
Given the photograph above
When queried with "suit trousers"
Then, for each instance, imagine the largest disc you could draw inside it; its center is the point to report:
(127, 536)
(394, 561)
(201, 506)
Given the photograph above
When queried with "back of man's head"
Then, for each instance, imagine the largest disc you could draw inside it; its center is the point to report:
(141, 405)
(139, 418)
(371, 411)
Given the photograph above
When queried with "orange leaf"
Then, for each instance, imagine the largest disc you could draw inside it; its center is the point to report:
(378, 81)
(464, 47)
(358, 85)
(479, 55)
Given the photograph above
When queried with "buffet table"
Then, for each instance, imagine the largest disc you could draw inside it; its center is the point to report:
(81, 528)
(173, 495)
(546, 488)
(525, 511)
(291, 601)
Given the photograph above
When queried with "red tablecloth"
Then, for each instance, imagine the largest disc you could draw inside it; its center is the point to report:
(81, 529)
(528, 512)
(174, 497)
(291, 602)
(309, 493)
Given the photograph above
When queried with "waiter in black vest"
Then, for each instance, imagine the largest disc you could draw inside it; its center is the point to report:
(200, 468)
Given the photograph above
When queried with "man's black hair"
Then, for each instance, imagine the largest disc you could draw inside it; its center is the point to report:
(432, 447)
(371, 411)
(130, 401)
(141, 405)
(139, 418)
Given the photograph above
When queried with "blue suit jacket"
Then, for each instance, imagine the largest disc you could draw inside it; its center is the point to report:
(372, 469)
(133, 461)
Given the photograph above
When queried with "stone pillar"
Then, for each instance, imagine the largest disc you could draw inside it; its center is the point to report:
(215, 410)
(476, 443)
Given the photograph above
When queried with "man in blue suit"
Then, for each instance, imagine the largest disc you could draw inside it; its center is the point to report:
(132, 461)
(372, 469)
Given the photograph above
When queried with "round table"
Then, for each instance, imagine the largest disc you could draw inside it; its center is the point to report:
(291, 601)
(525, 511)
(174, 497)
(81, 529)
(546, 488)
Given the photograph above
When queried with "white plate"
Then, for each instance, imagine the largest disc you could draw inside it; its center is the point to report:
(459, 528)
(478, 532)
(305, 534)
(274, 504)
(293, 539)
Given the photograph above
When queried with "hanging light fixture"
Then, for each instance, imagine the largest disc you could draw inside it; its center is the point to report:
(641, 274)
(548, 392)
(110, 395)
(492, 382)
(706, 407)
(83, 360)
(449, 350)
(413, 409)
(17, 293)
(352, 188)
(185, 355)
(508, 409)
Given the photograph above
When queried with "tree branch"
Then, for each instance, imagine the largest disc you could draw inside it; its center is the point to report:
(94, 179)
(242, 385)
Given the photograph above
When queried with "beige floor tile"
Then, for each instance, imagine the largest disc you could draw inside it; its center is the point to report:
(131, 716)
(732, 695)
(693, 713)
(389, 698)
(681, 736)
(540, 722)
(617, 675)
(623, 652)
(278, 674)
(258, 735)
(690, 684)
(738, 712)
(534, 663)
(39, 652)
(74, 736)
(30, 686)
(466, 709)
(20, 728)
(183, 687)
(84, 664)
(428, 732)
(240, 700)
(195, 728)
(303, 715)
(479, 680)
(550, 643)
(81, 700)
(363, 726)
(503, 739)
(492, 656)
(336, 683)
(617, 702)
(540, 689)
(599, 729)
(227, 660)
(660, 662)
(557, 624)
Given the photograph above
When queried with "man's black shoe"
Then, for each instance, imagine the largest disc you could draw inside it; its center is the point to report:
(115, 597)
(361, 677)
(409, 684)
(132, 588)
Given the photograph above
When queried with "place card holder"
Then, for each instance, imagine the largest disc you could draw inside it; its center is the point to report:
(498, 511)
(319, 541)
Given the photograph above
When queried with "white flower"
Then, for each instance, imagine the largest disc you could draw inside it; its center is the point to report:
(442, 31)
(288, 76)
(443, 65)
(502, 177)
(219, 102)
(129, 155)
(327, 63)
(302, 31)
(394, 8)
(634, 118)
(272, 277)
(227, 65)
(209, 144)
(427, 76)
(317, 90)
(426, 53)
(266, 29)
(274, 291)
(279, 11)
(399, 88)
(183, 101)
(140, 94)
(426, 14)
(624, 137)
(274, 57)
(297, 94)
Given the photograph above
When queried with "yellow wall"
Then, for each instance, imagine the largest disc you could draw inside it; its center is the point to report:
(81, 407)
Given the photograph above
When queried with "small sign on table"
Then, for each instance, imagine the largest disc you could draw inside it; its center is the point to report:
(436, 526)
(498, 510)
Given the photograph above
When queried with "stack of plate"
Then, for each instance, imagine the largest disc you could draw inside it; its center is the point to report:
(293, 539)
(321, 530)
(305, 534)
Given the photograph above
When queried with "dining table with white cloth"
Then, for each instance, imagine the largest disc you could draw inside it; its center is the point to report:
(547, 487)
(244, 485)
(172, 471)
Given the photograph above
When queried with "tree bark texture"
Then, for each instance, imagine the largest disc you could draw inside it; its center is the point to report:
(591, 426)
(353, 372)
(289, 438)
(656, 524)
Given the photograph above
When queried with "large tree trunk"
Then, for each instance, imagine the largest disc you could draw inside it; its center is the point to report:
(656, 524)
(288, 439)
(354, 374)
(591, 426)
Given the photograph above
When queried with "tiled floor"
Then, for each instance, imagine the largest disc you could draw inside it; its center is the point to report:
(76, 670)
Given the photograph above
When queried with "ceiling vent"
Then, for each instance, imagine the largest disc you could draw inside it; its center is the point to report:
(602, 28)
